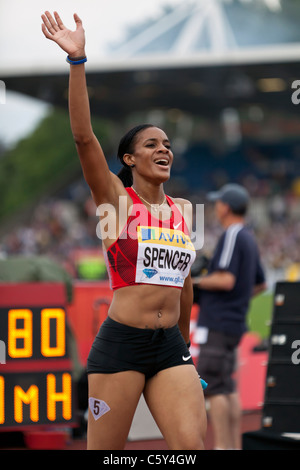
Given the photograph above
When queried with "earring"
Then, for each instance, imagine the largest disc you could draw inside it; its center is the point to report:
(132, 166)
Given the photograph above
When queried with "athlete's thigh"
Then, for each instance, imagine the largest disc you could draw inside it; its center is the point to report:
(175, 399)
(113, 399)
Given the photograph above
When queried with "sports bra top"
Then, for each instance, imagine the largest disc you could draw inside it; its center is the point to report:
(150, 251)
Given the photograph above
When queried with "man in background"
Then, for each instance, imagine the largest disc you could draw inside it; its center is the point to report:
(234, 275)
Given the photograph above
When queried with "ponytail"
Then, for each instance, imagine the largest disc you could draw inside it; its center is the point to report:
(125, 175)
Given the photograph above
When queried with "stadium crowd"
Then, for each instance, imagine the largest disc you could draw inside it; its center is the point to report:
(60, 226)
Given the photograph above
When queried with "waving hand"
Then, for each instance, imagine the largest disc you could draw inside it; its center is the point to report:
(104, 185)
(72, 42)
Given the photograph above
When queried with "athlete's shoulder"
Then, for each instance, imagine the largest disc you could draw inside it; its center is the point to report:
(181, 203)
(185, 208)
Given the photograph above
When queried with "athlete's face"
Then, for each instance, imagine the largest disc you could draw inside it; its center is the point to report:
(152, 155)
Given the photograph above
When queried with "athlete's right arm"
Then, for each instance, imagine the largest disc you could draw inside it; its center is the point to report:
(105, 186)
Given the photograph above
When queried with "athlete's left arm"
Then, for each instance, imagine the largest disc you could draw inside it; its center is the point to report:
(187, 293)
(186, 303)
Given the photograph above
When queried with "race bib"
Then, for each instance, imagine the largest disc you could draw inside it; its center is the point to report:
(164, 256)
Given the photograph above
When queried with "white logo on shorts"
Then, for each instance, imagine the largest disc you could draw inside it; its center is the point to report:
(186, 358)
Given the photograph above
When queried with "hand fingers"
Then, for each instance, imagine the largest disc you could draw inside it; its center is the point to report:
(52, 21)
(77, 20)
(59, 21)
(45, 31)
(47, 27)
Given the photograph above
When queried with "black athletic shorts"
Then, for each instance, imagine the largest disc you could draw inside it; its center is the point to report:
(118, 347)
(217, 362)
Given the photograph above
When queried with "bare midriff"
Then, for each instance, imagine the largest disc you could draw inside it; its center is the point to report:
(146, 306)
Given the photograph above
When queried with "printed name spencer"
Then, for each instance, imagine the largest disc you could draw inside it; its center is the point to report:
(164, 256)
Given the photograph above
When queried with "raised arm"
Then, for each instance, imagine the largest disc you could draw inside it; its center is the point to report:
(105, 186)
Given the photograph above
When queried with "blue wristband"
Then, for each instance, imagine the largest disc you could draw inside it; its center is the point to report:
(203, 383)
(76, 60)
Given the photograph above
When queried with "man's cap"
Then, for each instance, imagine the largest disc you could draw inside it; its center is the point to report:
(234, 195)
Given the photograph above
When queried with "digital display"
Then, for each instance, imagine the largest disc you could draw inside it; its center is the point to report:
(34, 333)
(35, 398)
(35, 379)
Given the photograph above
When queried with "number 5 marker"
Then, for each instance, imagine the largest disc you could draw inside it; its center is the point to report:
(98, 407)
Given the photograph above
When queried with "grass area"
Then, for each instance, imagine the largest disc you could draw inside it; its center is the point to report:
(260, 314)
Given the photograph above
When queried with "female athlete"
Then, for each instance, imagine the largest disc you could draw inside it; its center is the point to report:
(141, 347)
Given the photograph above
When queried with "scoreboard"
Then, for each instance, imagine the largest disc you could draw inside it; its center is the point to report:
(36, 386)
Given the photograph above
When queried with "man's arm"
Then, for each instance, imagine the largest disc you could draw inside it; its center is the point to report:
(218, 280)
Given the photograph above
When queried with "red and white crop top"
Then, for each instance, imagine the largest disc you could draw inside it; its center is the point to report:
(150, 251)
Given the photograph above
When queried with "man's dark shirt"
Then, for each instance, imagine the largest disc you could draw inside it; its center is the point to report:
(225, 311)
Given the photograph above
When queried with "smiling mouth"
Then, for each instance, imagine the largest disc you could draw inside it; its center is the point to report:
(162, 162)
